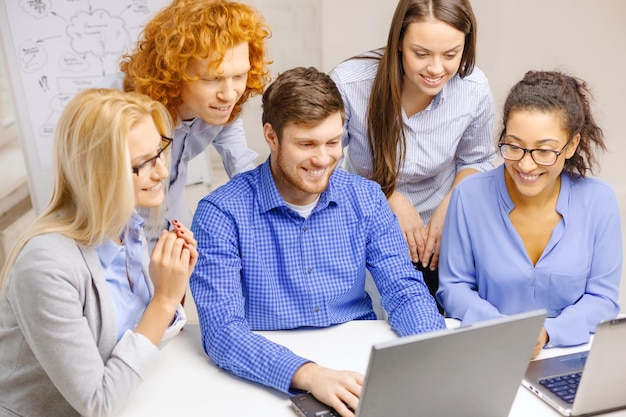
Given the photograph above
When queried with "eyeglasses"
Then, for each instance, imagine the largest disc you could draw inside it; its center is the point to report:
(165, 143)
(545, 157)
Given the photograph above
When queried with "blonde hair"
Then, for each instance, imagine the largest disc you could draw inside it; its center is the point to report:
(191, 30)
(93, 194)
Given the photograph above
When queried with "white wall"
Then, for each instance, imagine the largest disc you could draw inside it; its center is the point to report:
(577, 36)
(350, 27)
(295, 42)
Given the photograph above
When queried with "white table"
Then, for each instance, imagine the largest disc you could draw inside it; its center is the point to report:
(186, 383)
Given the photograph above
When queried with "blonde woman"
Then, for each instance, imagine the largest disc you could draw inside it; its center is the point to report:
(82, 306)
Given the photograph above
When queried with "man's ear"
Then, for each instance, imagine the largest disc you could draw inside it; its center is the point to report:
(270, 136)
(571, 149)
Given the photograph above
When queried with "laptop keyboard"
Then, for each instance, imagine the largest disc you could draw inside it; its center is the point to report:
(563, 386)
(327, 413)
(306, 405)
(322, 413)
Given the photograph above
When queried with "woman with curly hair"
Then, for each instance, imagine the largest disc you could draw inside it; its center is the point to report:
(202, 59)
(536, 232)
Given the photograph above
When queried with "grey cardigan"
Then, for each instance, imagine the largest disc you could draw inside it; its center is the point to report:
(58, 351)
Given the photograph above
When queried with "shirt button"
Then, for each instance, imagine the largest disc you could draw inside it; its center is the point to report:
(304, 229)
(309, 270)
(316, 309)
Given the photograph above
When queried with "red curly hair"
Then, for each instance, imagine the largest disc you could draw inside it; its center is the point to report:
(190, 30)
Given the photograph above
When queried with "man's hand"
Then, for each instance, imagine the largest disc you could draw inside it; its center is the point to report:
(339, 389)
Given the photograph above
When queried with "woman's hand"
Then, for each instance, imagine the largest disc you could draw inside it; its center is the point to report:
(411, 224)
(434, 230)
(432, 245)
(171, 264)
(542, 340)
(186, 234)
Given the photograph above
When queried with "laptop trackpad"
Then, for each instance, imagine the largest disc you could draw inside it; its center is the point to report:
(576, 362)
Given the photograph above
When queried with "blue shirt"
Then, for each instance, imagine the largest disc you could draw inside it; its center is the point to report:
(485, 271)
(262, 266)
(454, 132)
(123, 271)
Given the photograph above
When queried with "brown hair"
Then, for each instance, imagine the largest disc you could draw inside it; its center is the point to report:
(553, 91)
(190, 30)
(303, 96)
(385, 125)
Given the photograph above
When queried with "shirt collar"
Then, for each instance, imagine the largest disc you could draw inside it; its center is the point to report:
(134, 227)
(108, 250)
(442, 95)
(434, 103)
(191, 125)
(438, 98)
(270, 198)
(502, 190)
(562, 206)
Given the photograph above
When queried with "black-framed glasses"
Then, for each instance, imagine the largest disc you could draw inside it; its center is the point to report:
(165, 143)
(545, 157)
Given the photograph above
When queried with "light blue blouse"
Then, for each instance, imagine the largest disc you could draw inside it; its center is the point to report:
(485, 271)
(122, 265)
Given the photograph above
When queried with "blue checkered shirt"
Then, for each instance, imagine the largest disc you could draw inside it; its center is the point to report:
(264, 267)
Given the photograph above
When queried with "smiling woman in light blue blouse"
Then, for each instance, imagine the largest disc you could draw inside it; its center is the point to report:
(536, 232)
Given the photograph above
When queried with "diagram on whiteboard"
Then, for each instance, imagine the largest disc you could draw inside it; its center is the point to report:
(65, 46)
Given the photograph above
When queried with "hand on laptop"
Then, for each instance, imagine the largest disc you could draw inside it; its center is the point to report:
(339, 389)
(542, 340)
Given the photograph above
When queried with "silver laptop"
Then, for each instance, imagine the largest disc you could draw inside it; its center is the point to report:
(470, 371)
(600, 374)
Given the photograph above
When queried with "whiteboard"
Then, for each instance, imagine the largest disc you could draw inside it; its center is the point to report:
(54, 49)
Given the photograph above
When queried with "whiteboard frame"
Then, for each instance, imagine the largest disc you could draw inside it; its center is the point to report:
(39, 180)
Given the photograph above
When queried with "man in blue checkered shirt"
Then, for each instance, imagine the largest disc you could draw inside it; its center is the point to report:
(287, 245)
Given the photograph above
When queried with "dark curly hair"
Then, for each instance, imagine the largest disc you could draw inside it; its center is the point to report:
(569, 97)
